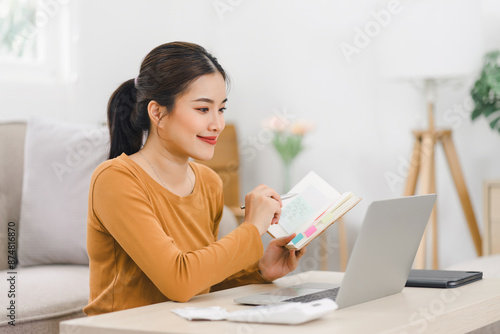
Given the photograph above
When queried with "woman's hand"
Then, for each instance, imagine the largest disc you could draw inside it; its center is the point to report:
(279, 260)
(262, 207)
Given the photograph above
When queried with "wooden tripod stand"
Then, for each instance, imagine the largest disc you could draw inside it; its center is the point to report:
(422, 161)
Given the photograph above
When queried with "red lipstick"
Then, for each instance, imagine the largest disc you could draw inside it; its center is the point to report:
(212, 140)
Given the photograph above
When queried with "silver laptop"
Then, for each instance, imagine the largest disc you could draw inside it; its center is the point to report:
(380, 261)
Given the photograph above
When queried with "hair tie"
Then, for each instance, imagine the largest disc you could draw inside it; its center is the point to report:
(135, 81)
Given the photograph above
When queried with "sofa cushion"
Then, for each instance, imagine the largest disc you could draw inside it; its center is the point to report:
(44, 292)
(11, 178)
(228, 222)
(59, 159)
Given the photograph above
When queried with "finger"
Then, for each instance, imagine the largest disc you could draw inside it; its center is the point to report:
(277, 216)
(275, 220)
(278, 212)
(260, 187)
(284, 240)
(265, 190)
(290, 237)
(293, 261)
(274, 195)
(301, 253)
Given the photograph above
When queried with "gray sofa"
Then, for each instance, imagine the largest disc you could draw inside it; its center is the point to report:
(42, 295)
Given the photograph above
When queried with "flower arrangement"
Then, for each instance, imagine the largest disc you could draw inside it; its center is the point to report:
(287, 140)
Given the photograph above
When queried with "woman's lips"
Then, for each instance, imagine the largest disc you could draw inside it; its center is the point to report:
(212, 140)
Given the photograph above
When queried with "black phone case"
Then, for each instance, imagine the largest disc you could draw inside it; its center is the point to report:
(441, 278)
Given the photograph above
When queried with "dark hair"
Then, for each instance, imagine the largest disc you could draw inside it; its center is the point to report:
(165, 74)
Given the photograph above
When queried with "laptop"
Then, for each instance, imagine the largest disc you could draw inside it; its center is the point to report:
(380, 261)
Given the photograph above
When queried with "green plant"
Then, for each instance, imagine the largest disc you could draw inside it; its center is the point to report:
(486, 91)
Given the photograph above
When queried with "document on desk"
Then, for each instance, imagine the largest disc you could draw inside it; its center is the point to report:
(202, 313)
(286, 313)
(316, 206)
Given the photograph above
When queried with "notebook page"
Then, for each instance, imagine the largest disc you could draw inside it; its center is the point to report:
(314, 196)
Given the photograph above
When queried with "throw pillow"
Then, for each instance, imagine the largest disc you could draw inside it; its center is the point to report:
(59, 160)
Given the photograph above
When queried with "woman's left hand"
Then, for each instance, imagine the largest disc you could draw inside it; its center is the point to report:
(279, 260)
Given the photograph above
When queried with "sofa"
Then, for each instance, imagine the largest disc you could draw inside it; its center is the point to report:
(44, 274)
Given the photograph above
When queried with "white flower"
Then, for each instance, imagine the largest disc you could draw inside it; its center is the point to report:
(301, 127)
(277, 123)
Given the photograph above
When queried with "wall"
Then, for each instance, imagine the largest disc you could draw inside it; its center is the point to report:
(284, 56)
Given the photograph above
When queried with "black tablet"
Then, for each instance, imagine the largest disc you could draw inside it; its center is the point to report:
(441, 278)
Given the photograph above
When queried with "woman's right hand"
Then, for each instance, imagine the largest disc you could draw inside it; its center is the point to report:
(262, 207)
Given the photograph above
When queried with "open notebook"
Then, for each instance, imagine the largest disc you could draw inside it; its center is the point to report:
(316, 206)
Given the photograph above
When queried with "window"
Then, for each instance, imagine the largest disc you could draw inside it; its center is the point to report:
(17, 31)
(36, 41)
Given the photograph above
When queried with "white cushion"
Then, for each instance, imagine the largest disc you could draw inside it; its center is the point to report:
(228, 222)
(59, 159)
(44, 292)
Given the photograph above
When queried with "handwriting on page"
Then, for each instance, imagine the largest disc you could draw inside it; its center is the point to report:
(295, 213)
(301, 209)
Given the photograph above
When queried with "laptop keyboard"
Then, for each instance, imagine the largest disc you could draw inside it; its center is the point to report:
(329, 293)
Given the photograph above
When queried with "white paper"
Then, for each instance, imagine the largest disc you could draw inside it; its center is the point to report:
(202, 313)
(315, 195)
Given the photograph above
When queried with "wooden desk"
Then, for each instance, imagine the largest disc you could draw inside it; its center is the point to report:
(415, 310)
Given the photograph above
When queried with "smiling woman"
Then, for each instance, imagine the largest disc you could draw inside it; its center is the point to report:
(153, 215)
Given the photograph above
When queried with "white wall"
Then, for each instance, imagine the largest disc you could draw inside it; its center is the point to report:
(284, 55)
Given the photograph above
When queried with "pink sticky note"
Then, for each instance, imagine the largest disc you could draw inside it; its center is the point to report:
(310, 231)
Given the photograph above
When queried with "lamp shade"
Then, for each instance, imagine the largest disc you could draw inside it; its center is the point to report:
(432, 39)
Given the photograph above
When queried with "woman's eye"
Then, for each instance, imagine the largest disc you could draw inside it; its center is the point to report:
(203, 109)
(222, 109)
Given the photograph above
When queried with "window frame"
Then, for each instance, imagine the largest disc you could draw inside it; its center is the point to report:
(56, 39)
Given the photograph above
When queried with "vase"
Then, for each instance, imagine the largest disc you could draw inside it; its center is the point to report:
(287, 179)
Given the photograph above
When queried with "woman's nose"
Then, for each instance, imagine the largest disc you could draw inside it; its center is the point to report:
(217, 123)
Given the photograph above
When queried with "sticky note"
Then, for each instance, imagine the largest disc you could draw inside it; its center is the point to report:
(297, 238)
(310, 231)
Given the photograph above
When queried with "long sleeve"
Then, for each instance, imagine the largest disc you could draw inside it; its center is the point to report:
(249, 275)
(168, 240)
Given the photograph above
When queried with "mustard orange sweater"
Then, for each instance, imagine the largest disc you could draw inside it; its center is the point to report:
(147, 245)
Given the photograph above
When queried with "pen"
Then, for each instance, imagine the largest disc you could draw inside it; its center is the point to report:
(283, 197)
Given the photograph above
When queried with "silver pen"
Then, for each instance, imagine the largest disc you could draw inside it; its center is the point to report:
(283, 197)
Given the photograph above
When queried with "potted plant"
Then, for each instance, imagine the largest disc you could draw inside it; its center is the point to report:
(486, 91)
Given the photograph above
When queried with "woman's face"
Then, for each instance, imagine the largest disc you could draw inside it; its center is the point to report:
(197, 119)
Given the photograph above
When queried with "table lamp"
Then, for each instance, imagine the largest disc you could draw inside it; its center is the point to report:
(429, 43)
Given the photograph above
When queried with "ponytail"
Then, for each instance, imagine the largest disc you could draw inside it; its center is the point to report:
(125, 131)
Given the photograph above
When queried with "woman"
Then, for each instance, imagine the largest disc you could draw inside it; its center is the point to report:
(153, 214)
